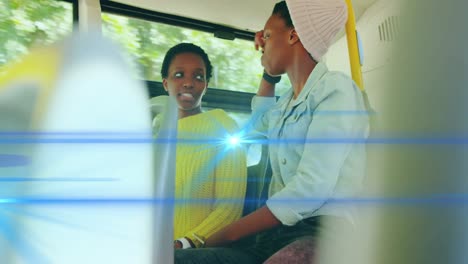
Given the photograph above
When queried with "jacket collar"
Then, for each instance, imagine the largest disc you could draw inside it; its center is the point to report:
(317, 73)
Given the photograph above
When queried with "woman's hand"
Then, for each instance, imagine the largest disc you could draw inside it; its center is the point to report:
(259, 42)
(177, 244)
(257, 221)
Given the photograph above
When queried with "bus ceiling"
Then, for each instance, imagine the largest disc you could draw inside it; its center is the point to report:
(244, 15)
(243, 19)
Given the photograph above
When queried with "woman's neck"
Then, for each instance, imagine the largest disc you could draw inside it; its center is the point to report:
(299, 72)
(186, 113)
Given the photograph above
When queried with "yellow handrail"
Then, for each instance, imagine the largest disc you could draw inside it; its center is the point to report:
(353, 49)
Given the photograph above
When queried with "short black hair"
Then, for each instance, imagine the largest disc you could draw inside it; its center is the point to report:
(281, 9)
(185, 48)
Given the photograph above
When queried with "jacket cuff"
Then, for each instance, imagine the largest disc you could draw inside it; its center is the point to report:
(283, 213)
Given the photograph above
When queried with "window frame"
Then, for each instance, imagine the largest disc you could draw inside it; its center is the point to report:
(75, 9)
(228, 100)
(174, 20)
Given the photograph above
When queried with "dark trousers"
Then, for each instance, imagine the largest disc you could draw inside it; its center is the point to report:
(252, 249)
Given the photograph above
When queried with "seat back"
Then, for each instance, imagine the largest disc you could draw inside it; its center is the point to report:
(258, 179)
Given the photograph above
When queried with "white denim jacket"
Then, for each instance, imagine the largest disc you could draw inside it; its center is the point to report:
(316, 145)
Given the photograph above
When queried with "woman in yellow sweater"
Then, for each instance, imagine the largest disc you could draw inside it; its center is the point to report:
(210, 175)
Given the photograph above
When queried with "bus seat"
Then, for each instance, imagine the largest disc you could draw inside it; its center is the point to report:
(258, 179)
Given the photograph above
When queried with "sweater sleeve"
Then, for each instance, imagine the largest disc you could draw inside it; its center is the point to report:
(230, 187)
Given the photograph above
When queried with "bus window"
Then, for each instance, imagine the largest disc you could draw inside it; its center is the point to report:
(236, 64)
(24, 24)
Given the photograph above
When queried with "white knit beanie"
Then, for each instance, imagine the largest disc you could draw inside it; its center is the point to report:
(317, 22)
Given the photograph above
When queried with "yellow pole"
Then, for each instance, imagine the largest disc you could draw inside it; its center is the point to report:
(353, 49)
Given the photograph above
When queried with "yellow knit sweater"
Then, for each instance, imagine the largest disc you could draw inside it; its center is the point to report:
(211, 176)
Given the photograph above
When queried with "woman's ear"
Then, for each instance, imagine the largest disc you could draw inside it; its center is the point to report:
(164, 82)
(204, 90)
(293, 37)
